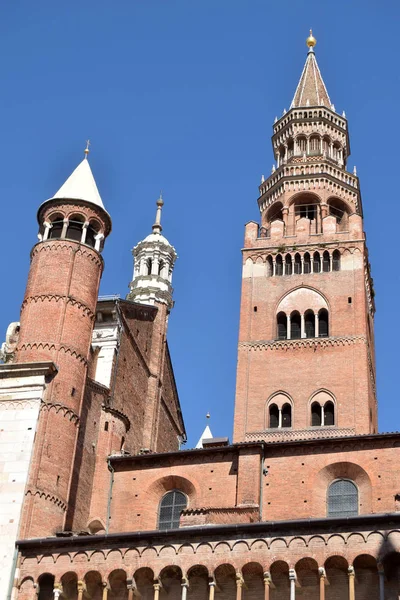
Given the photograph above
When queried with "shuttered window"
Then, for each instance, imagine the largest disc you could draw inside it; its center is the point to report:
(342, 499)
(171, 507)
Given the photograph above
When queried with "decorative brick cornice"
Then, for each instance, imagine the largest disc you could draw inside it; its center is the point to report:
(48, 497)
(283, 435)
(51, 346)
(74, 247)
(120, 415)
(56, 298)
(304, 343)
(60, 409)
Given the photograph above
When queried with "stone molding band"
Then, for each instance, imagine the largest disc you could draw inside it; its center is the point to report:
(304, 343)
(55, 347)
(67, 299)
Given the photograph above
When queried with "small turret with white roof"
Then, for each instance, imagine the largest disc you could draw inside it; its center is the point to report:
(154, 260)
(76, 212)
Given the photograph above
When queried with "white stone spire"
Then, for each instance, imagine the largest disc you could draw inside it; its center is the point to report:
(154, 260)
(206, 435)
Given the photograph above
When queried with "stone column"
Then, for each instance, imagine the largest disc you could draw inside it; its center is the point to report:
(324, 210)
(280, 419)
(352, 575)
(381, 574)
(303, 326)
(239, 585)
(47, 227)
(292, 580)
(330, 262)
(98, 239)
(81, 589)
(316, 315)
(322, 577)
(288, 325)
(267, 584)
(157, 587)
(211, 589)
(273, 267)
(84, 232)
(285, 214)
(57, 591)
(184, 585)
(64, 229)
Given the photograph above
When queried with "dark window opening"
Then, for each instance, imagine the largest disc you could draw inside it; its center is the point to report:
(309, 321)
(295, 326)
(91, 236)
(56, 230)
(149, 266)
(316, 415)
(46, 587)
(316, 262)
(106, 426)
(329, 413)
(326, 262)
(336, 261)
(307, 263)
(74, 231)
(160, 267)
(297, 264)
(323, 323)
(273, 416)
(282, 326)
(288, 265)
(349, 300)
(286, 415)
(278, 265)
(342, 499)
(171, 507)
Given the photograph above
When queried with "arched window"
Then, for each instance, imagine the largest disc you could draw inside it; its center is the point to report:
(329, 413)
(149, 266)
(315, 145)
(342, 499)
(171, 506)
(290, 148)
(278, 265)
(336, 260)
(316, 262)
(282, 326)
(309, 322)
(269, 266)
(75, 228)
(160, 267)
(323, 323)
(46, 587)
(326, 145)
(295, 325)
(286, 415)
(302, 144)
(273, 416)
(307, 263)
(316, 414)
(288, 264)
(91, 233)
(297, 264)
(56, 228)
(326, 262)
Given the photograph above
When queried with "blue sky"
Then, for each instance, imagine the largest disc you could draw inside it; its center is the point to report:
(181, 95)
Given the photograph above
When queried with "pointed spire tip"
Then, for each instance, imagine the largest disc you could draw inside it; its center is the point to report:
(86, 151)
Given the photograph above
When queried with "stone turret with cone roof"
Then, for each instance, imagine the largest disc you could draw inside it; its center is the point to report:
(154, 260)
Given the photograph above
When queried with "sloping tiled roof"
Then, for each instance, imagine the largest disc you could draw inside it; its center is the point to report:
(311, 89)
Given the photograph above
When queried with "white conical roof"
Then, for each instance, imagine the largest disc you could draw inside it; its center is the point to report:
(80, 185)
(206, 435)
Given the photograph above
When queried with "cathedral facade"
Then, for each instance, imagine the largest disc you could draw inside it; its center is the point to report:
(98, 500)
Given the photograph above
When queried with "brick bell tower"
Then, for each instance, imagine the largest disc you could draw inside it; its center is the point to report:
(57, 318)
(306, 365)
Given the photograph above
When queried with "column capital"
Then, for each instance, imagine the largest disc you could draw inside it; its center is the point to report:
(350, 571)
(239, 579)
(267, 578)
(157, 586)
(211, 581)
(292, 575)
(322, 572)
(185, 582)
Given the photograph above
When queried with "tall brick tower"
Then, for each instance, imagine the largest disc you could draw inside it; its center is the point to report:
(306, 365)
(57, 318)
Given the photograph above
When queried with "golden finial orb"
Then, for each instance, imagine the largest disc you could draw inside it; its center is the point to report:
(311, 41)
(87, 148)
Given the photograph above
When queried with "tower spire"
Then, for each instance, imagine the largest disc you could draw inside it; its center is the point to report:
(311, 89)
(157, 223)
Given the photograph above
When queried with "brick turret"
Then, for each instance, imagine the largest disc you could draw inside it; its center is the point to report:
(57, 318)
